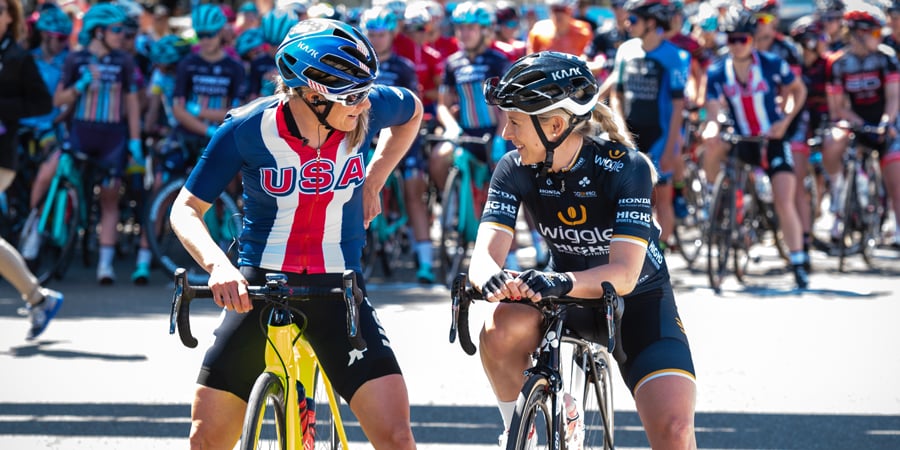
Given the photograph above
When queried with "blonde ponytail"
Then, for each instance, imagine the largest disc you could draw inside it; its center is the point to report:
(604, 120)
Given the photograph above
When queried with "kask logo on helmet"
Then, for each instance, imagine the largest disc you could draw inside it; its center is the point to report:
(562, 74)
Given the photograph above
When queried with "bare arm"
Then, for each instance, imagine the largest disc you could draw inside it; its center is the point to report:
(626, 260)
(186, 119)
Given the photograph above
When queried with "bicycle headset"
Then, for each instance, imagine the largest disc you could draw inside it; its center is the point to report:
(54, 20)
(329, 57)
(100, 15)
(542, 82)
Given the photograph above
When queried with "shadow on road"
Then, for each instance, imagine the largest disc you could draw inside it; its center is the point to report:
(473, 425)
(42, 348)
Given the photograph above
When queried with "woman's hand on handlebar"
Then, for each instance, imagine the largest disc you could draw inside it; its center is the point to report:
(537, 284)
(501, 285)
(229, 288)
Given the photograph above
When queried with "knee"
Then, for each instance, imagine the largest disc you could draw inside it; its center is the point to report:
(510, 330)
(674, 433)
(397, 436)
(203, 438)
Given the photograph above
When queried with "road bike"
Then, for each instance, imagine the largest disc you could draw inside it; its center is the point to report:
(862, 201)
(739, 216)
(563, 363)
(292, 404)
(462, 202)
(689, 231)
(64, 215)
(223, 219)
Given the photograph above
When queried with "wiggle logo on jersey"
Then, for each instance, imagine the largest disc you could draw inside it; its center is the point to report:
(610, 165)
(616, 153)
(571, 213)
(314, 177)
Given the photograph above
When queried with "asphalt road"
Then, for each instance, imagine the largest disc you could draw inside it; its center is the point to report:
(777, 368)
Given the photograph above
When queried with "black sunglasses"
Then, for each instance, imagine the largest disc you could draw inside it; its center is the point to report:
(206, 35)
(738, 38)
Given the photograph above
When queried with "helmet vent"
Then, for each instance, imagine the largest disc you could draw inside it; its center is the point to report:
(345, 66)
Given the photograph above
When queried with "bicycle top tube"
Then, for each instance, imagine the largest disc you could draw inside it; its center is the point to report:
(275, 289)
(462, 294)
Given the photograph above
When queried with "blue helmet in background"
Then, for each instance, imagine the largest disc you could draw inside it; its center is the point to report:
(169, 49)
(207, 18)
(276, 24)
(248, 41)
(378, 18)
(100, 15)
(327, 56)
(478, 13)
(54, 20)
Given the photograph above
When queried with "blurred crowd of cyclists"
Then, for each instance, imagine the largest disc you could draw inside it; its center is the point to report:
(125, 76)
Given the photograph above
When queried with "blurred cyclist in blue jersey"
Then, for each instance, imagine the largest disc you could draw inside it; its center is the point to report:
(98, 83)
(208, 83)
(263, 74)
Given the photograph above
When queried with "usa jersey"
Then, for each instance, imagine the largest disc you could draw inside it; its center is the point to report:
(103, 102)
(603, 197)
(751, 104)
(303, 208)
(465, 76)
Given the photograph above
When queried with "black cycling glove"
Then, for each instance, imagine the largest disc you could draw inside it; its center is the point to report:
(548, 284)
(495, 283)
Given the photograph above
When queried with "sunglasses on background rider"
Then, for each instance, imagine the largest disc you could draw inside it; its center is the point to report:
(741, 39)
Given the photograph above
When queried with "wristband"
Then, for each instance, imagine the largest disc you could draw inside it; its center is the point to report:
(211, 130)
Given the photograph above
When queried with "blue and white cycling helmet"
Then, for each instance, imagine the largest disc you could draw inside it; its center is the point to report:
(169, 49)
(398, 7)
(476, 13)
(100, 15)
(54, 20)
(276, 24)
(207, 18)
(378, 18)
(248, 41)
(330, 57)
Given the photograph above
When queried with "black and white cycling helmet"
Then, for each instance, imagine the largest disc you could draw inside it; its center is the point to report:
(659, 10)
(542, 82)
(739, 21)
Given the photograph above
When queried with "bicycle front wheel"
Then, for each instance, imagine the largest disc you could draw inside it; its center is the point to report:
(689, 230)
(720, 232)
(532, 423)
(325, 426)
(223, 220)
(598, 404)
(264, 426)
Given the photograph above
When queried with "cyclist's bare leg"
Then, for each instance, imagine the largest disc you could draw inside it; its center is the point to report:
(802, 199)
(784, 186)
(42, 180)
(833, 149)
(713, 155)
(382, 407)
(109, 214)
(665, 210)
(666, 407)
(216, 419)
(507, 341)
(439, 164)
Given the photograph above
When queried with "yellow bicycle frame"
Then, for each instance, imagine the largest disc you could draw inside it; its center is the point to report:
(288, 340)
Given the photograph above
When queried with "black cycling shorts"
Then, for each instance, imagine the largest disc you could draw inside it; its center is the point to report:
(653, 337)
(237, 356)
(776, 157)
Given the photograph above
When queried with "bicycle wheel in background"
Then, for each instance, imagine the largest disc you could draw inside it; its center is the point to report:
(454, 245)
(264, 426)
(851, 240)
(325, 428)
(597, 402)
(223, 220)
(48, 254)
(690, 230)
(719, 235)
(875, 202)
(533, 418)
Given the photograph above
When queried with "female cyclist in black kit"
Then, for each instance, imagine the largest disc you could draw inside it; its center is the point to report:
(589, 191)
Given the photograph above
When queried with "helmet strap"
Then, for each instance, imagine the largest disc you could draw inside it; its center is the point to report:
(322, 116)
(550, 147)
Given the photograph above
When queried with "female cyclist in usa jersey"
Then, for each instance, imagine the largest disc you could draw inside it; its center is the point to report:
(308, 197)
(589, 192)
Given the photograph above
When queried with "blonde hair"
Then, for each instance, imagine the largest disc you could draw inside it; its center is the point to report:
(17, 24)
(603, 120)
(355, 136)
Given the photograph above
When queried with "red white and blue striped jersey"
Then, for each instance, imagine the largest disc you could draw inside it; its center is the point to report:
(752, 104)
(303, 210)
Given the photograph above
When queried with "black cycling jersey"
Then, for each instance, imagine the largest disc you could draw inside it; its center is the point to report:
(607, 39)
(863, 79)
(603, 197)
